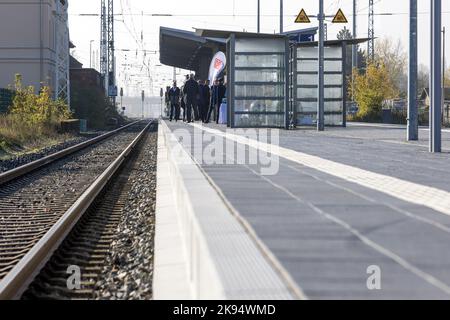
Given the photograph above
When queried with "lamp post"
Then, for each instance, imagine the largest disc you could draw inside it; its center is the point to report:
(90, 53)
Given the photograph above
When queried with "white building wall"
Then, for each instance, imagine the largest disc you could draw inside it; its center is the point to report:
(28, 36)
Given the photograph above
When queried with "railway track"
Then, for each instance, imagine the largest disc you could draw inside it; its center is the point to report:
(42, 203)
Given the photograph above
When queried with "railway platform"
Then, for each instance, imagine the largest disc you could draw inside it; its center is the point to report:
(354, 213)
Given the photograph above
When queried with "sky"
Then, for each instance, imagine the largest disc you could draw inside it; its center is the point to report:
(133, 76)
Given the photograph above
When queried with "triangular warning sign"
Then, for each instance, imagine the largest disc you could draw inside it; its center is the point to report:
(340, 17)
(302, 17)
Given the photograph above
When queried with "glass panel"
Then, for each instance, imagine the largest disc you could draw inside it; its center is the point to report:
(311, 65)
(333, 52)
(306, 52)
(306, 106)
(311, 79)
(333, 79)
(311, 120)
(252, 120)
(333, 120)
(333, 106)
(259, 105)
(261, 61)
(260, 45)
(312, 52)
(330, 106)
(306, 79)
(333, 93)
(259, 76)
(259, 91)
(311, 93)
(307, 65)
(307, 120)
(333, 66)
(306, 93)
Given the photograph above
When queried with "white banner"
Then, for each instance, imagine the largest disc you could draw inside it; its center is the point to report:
(218, 64)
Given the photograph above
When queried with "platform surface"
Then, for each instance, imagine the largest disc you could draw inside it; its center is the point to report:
(387, 208)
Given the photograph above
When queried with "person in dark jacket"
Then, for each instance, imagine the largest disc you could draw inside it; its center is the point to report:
(182, 103)
(167, 100)
(174, 98)
(190, 91)
(204, 98)
(218, 92)
(212, 104)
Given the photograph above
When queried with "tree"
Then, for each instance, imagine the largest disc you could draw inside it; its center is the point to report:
(423, 78)
(394, 58)
(369, 90)
(345, 34)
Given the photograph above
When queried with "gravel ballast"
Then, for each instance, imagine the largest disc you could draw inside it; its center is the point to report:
(24, 159)
(128, 271)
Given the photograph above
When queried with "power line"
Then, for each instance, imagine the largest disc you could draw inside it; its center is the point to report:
(359, 13)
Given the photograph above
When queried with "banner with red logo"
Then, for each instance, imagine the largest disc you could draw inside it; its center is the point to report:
(218, 64)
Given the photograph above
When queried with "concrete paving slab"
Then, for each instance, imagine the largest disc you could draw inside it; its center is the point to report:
(327, 231)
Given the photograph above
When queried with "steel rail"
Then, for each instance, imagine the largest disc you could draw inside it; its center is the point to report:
(29, 167)
(19, 278)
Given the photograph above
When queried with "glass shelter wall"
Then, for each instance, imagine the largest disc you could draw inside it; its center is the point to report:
(258, 82)
(304, 86)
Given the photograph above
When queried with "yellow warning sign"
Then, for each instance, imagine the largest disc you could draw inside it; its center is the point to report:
(302, 17)
(340, 17)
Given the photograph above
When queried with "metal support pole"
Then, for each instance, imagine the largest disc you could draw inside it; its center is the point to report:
(320, 91)
(143, 99)
(90, 53)
(435, 77)
(413, 121)
(344, 84)
(354, 47)
(41, 44)
(443, 75)
(259, 17)
(443, 62)
(281, 16)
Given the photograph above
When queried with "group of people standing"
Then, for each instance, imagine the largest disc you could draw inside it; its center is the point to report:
(197, 99)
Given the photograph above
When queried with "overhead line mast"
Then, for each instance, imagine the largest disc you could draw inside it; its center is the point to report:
(371, 33)
(107, 59)
(111, 53)
(103, 44)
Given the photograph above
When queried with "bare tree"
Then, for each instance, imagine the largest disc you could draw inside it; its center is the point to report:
(392, 54)
(423, 78)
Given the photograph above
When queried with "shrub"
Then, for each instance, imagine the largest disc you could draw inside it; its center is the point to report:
(32, 119)
(40, 109)
(370, 89)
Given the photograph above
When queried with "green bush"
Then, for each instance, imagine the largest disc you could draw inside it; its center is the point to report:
(32, 120)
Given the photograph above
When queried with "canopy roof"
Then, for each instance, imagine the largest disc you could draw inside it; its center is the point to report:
(184, 49)
(194, 50)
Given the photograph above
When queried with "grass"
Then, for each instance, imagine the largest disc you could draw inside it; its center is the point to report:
(18, 138)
